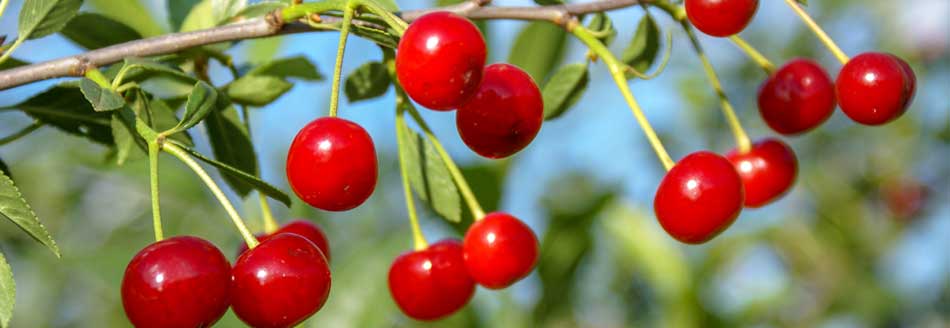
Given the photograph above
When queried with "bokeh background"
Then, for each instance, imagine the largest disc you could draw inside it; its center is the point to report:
(863, 239)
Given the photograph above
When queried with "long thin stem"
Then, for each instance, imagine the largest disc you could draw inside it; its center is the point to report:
(267, 216)
(617, 70)
(22, 133)
(153, 184)
(419, 240)
(9, 51)
(457, 176)
(3, 6)
(228, 207)
(742, 139)
(829, 43)
(338, 66)
(753, 54)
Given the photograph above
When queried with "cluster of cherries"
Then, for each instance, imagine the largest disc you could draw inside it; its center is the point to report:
(704, 192)
(186, 281)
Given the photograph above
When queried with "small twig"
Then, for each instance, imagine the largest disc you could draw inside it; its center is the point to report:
(272, 26)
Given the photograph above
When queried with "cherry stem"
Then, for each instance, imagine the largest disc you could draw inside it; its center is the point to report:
(397, 24)
(22, 133)
(829, 43)
(338, 67)
(153, 149)
(754, 54)
(419, 240)
(617, 71)
(249, 238)
(742, 139)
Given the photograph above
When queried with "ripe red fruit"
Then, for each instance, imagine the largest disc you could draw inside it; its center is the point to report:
(160, 283)
(699, 198)
(797, 98)
(768, 170)
(439, 60)
(499, 250)
(305, 229)
(332, 165)
(721, 17)
(504, 115)
(875, 88)
(431, 283)
(280, 283)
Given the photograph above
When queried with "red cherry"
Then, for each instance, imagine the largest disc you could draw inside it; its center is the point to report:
(797, 98)
(160, 284)
(699, 198)
(768, 170)
(499, 250)
(875, 88)
(431, 283)
(439, 60)
(305, 229)
(721, 17)
(280, 283)
(331, 164)
(504, 115)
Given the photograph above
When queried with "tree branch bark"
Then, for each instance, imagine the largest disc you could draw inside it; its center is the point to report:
(268, 26)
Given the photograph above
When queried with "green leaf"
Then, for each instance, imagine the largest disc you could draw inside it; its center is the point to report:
(7, 292)
(297, 67)
(231, 145)
(803, 2)
(564, 89)
(124, 140)
(199, 18)
(256, 90)
(428, 175)
(221, 10)
(130, 12)
(102, 100)
(258, 9)
(645, 45)
(65, 108)
(14, 208)
(39, 18)
(390, 5)
(602, 24)
(140, 67)
(163, 119)
(538, 48)
(4, 168)
(548, 2)
(202, 100)
(12, 63)
(234, 173)
(94, 31)
(178, 10)
(370, 80)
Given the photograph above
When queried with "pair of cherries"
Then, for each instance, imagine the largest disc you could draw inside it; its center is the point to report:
(186, 281)
(704, 192)
(440, 62)
(432, 283)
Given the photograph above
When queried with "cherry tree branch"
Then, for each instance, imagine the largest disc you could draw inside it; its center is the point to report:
(272, 25)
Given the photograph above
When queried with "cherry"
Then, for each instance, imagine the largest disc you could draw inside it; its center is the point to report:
(699, 198)
(768, 170)
(439, 60)
(160, 283)
(797, 98)
(721, 17)
(875, 88)
(431, 283)
(331, 164)
(504, 115)
(499, 250)
(305, 229)
(280, 283)
(905, 198)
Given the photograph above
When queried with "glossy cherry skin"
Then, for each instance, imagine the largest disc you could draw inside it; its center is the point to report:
(505, 114)
(797, 98)
(332, 164)
(721, 17)
(160, 284)
(875, 88)
(280, 283)
(305, 229)
(499, 250)
(432, 283)
(768, 171)
(439, 60)
(699, 198)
